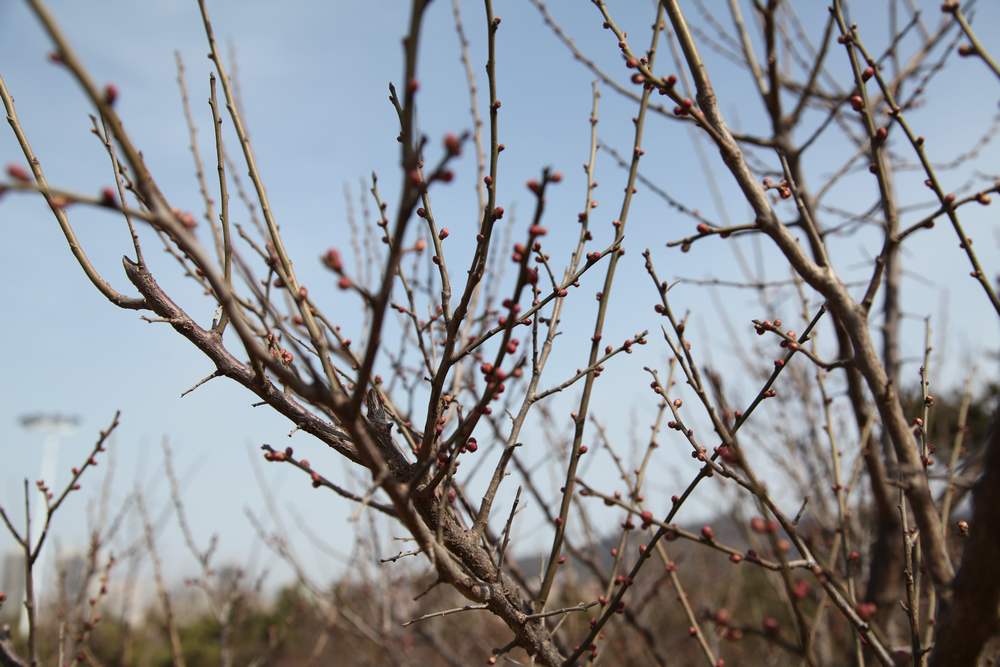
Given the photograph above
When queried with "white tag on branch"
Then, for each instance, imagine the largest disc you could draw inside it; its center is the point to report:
(217, 317)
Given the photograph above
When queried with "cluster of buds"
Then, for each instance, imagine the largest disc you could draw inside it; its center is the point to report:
(684, 108)
(278, 456)
(512, 346)
(722, 619)
(762, 526)
(513, 311)
(788, 338)
(538, 188)
(663, 87)
(277, 351)
(495, 377)
(668, 85)
(44, 488)
(629, 342)
(95, 617)
(783, 187)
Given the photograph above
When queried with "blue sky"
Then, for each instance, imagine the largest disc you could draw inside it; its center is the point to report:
(314, 79)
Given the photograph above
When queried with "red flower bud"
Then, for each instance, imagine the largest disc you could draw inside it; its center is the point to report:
(18, 173)
(866, 610)
(185, 218)
(453, 145)
(800, 589)
(333, 261)
(109, 198)
(110, 94)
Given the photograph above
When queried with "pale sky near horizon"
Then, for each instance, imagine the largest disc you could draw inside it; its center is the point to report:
(314, 80)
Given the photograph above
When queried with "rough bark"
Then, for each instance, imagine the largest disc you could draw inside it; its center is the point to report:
(971, 617)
